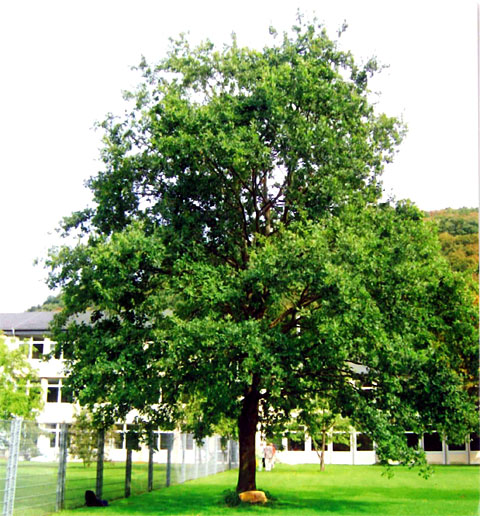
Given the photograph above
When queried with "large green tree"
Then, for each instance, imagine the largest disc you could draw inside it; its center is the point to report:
(238, 260)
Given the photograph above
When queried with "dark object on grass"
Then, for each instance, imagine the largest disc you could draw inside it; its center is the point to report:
(91, 500)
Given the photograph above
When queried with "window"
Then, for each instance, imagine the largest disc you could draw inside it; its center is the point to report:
(456, 447)
(297, 443)
(132, 437)
(432, 442)
(189, 441)
(56, 392)
(412, 440)
(341, 442)
(475, 442)
(65, 397)
(34, 386)
(119, 439)
(57, 353)
(37, 350)
(53, 390)
(52, 431)
(166, 440)
(364, 443)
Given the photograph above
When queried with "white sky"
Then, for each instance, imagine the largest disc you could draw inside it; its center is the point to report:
(64, 64)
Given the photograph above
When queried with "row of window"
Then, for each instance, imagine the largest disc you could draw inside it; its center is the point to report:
(341, 442)
(162, 440)
(38, 347)
(56, 392)
(431, 443)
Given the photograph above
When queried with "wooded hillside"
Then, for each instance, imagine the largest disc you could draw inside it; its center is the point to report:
(459, 237)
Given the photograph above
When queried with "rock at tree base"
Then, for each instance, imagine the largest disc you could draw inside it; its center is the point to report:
(253, 497)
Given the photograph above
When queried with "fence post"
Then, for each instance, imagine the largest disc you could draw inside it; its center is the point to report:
(62, 467)
(353, 444)
(128, 471)
(235, 453)
(197, 457)
(229, 454)
(169, 459)
(184, 466)
(444, 451)
(150, 461)
(11, 473)
(215, 454)
(467, 443)
(100, 457)
(207, 458)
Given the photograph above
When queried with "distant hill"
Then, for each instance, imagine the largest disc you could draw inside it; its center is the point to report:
(458, 233)
(463, 221)
(51, 304)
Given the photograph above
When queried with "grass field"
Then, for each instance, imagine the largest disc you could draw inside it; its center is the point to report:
(36, 486)
(303, 490)
(35, 493)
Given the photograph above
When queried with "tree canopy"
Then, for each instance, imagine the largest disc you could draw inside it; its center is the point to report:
(238, 260)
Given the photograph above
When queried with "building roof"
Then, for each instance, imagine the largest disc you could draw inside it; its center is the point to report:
(26, 323)
(33, 323)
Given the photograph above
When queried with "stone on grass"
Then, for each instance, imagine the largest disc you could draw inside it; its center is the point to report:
(253, 497)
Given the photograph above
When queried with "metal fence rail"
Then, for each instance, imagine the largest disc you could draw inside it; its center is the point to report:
(32, 487)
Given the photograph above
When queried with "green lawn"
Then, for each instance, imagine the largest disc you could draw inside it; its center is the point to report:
(339, 491)
(35, 492)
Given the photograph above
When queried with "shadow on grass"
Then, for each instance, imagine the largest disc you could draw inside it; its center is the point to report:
(210, 502)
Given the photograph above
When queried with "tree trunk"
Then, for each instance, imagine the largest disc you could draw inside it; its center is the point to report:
(321, 453)
(322, 460)
(247, 429)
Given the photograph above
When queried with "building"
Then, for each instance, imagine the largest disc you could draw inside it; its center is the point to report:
(31, 329)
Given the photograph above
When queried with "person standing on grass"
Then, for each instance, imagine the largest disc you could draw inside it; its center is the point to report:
(268, 453)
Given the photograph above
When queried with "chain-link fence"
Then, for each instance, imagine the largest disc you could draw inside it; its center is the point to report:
(33, 485)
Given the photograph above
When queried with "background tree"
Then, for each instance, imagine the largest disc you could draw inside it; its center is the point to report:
(83, 434)
(458, 231)
(20, 390)
(320, 421)
(237, 256)
(461, 221)
(30, 432)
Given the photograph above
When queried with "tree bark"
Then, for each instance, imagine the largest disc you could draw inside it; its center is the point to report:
(321, 453)
(247, 429)
(322, 460)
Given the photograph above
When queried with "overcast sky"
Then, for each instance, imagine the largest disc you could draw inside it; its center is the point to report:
(64, 64)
